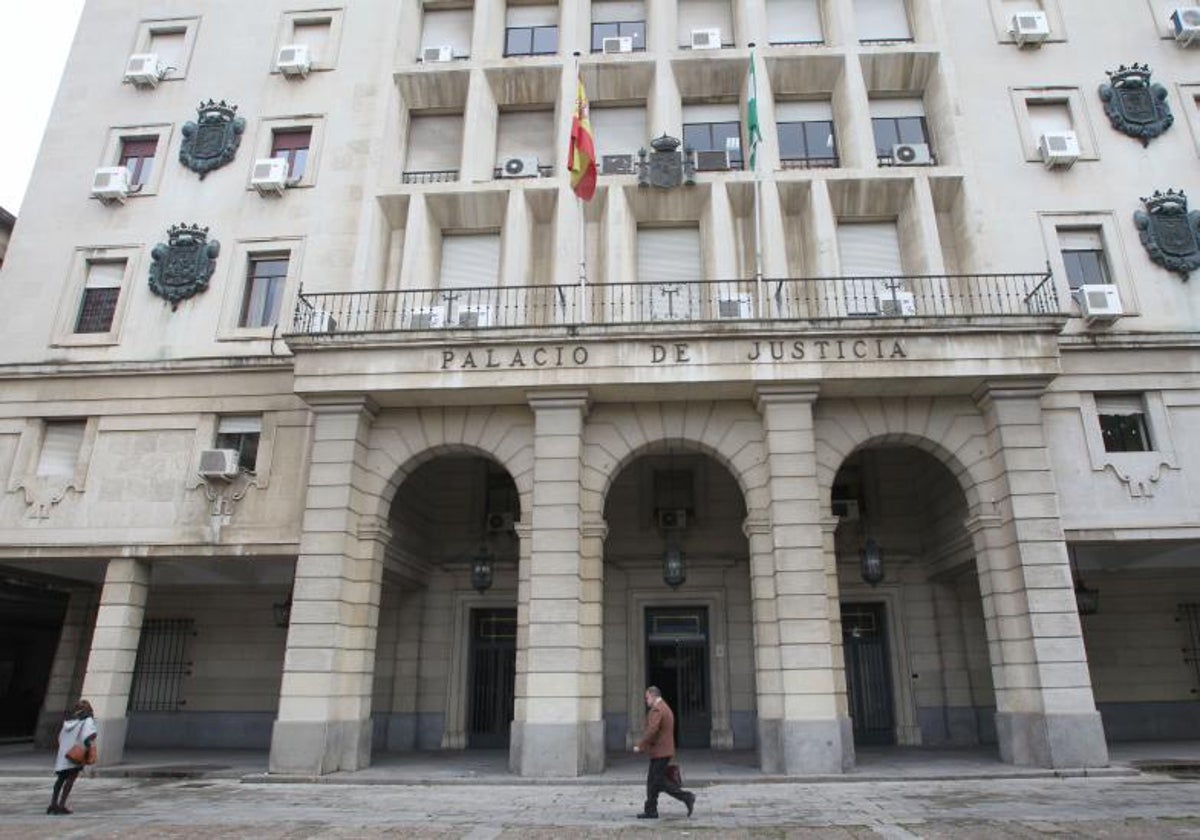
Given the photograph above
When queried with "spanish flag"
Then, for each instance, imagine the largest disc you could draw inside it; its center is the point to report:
(581, 156)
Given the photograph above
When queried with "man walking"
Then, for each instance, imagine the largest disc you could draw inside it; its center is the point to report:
(658, 742)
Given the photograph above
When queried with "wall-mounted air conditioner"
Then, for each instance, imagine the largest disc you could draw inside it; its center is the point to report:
(320, 322)
(735, 306)
(1058, 148)
(432, 55)
(499, 522)
(1099, 303)
(706, 39)
(219, 463)
(474, 317)
(894, 304)
(111, 183)
(911, 154)
(1185, 23)
(616, 164)
(1029, 29)
(143, 70)
(712, 161)
(672, 518)
(269, 175)
(426, 318)
(617, 45)
(519, 166)
(294, 60)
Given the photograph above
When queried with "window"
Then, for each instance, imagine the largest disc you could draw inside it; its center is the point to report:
(447, 28)
(525, 134)
(869, 250)
(891, 131)
(1123, 422)
(806, 139)
(1048, 116)
(619, 131)
(241, 434)
(704, 14)
(266, 280)
(102, 289)
(61, 442)
(881, 21)
(162, 663)
(170, 45)
(794, 22)
(530, 40)
(434, 148)
(470, 260)
(292, 145)
(1083, 256)
(634, 30)
(713, 129)
(669, 264)
(137, 156)
(314, 33)
(319, 29)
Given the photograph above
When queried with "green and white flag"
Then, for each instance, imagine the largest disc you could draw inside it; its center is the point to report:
(753, 132)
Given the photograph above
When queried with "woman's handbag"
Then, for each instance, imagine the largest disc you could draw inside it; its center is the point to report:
(80, 754)
(674, 774)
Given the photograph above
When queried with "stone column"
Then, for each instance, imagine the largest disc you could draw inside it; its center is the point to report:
(558, 730)
(109, 675)
(324, 721)
(70, 660)
(814, 734)
(1045, 710)
(768, 682)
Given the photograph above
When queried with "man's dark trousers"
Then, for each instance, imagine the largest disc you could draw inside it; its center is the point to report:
(656, 783)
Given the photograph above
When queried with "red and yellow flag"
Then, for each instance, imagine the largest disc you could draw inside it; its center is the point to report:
(581, 156)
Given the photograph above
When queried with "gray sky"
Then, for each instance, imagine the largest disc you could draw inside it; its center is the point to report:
(34, 41)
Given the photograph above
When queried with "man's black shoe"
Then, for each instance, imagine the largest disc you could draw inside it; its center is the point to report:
(691, 803)
(647, 816)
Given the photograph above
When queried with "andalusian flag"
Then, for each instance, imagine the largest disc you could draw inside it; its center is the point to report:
(753, 132)
(581, 156)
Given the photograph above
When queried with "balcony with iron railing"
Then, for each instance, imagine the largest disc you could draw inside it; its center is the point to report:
(925, 302)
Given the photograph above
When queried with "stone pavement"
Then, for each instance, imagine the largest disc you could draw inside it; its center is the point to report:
(1130, 805)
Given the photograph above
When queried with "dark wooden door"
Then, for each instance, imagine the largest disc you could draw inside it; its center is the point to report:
(677, 662)
(493, 670)
(867, 679)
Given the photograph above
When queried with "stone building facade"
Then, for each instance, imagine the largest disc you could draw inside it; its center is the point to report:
(393, 444)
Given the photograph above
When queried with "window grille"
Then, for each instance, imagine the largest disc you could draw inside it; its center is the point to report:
(1189, 614)
(162, 663)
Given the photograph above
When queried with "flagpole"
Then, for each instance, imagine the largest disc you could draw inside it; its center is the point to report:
(584, 314)
(751, 130)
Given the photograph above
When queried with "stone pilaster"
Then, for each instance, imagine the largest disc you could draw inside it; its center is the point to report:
(559, 728)
(813, 732)
(768, 682)
(66, 673)
(1045, 710)
(109, 675)
(324, 721)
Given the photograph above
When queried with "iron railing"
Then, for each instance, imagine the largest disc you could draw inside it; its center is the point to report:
(708, 301)
(432, 176)
(828, 162)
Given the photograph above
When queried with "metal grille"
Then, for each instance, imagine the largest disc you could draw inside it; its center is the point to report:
(867, 682)
(493, 676)
(1189, 614)
(97, 309)
(162, 663)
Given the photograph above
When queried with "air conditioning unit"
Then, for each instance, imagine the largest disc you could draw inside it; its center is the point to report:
(499, 522)
(1099, 303)
(1185, 22)
(735, 306)
(896, 304)
(616, 164)
(712, 161)
(426, 318)
(431, 55)
(617, 45)
(911, 154)
(521, 166)
(474, 317)
(1058, 148)
(672, 518)
(219, 463)
(294, 60)
(1029, 29)
(846, 509)
(143, 70)
(706, 39)
(269, 176)
(111, 183)
(320, 322)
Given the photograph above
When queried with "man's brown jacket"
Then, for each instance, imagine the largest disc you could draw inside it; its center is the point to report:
(658, 738)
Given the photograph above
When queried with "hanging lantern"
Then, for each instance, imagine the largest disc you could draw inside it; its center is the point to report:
(674, 573)
(871, 562)
(282, 611)
(481, 571)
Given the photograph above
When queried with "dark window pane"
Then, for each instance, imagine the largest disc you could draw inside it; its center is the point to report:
(246, 444)
(137, 156)
(545, 40)
(885, 135)
(636, 30)
(728, 137)
(96, 310)
(1085, 268)
(1124, 433)
(264, 291)
(600, 31)
(911, 130)
(818, 139)
(697, 136)
(791, 141)
(518, 41)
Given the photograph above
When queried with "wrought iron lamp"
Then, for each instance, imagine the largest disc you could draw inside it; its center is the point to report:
(870, 561)
(283, 611)
(481, 570)
(1087, 601)
(674, 570)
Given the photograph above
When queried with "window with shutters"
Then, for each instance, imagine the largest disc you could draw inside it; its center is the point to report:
(318, 29)
(882, 21)
(1123, 424)
(450, 28)
(137, 148)
(266, 282)
(898, 122)
(1083, 256)
(527, 136)
(241, 434)
(669, 262)
(172, 40)
(794, 22)
(806, 137)
(618, 131)
(292, 144)
(137, 156)
(61, 444)
(1052, 110)
(619, 19)
(434, 148)
(531, 30)
(695, 15)
(295, 139)
(101, 290)
(869, 250)
(714, 134)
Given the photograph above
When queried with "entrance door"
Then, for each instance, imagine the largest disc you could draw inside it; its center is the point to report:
(865, 645)
(677, 662)
(493, 670)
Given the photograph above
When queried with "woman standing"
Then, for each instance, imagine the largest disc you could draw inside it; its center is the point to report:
(79, 729)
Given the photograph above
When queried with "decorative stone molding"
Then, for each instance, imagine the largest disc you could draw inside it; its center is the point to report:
(1138, 471)
(43, 492)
